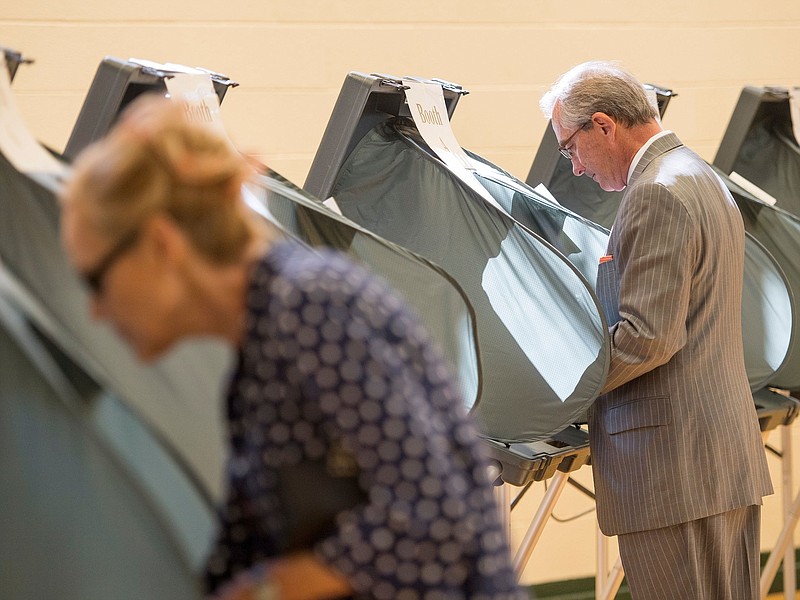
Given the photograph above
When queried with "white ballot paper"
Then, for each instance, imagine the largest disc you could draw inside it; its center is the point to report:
(202, 103)
(331, 203)
(753, 189)
(652, 96)
(17, 143)
(542, 190)
(426, 102)
(794, 111)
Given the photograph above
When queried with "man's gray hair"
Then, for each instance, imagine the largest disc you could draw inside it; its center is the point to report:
(598, 86)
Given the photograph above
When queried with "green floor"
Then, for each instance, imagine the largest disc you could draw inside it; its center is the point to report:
(583, 589)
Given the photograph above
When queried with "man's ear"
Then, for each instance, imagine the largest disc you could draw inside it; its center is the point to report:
(606, 123)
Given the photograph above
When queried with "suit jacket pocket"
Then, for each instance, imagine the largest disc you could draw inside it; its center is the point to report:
(643, 412)
(608, 290)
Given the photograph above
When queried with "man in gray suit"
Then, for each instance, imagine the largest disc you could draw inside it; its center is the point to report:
(678, 462)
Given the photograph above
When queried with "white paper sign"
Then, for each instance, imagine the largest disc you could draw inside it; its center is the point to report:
(652, 96)
(331, 203)
(17, 143)
(197, 91)
(752, 188)
(794, 111)
(165, 67)
(542, 190)
(426, 102)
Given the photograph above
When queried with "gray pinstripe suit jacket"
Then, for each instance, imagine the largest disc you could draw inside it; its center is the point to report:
(675, 437)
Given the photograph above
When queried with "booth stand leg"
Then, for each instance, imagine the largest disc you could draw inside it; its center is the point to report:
(558, 481)
(606, 582)
(789, 583)
(602, 563)
(784, 545)
(780, 548)
(614, 580)
(502, 496)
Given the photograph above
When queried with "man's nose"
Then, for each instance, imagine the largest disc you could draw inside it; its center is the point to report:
(577, 167)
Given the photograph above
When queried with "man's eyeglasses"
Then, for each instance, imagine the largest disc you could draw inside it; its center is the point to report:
(564, 147)
(94, 278)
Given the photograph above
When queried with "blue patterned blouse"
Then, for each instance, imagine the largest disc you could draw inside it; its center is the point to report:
(333, 364)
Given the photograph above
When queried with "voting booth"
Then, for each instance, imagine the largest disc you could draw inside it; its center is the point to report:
(116, 83)
(760, 144)
(778, 232)
(759, 159)
(432, 293)
(106, 491)
(542, 337)
(363, 102)
(81, 517)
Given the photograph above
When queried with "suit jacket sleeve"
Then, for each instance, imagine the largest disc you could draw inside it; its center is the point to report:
(654, 254)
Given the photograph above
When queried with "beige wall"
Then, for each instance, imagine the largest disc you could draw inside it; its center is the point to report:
(291, 57)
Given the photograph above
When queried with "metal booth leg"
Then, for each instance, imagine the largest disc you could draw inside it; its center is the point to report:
(784, 545)
(606, 582)
(789, 583)
(558, 481)
(502, 496)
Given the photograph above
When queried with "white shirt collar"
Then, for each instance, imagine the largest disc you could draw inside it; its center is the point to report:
(638, 156)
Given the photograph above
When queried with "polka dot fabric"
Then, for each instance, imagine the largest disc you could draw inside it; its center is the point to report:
(332, 358)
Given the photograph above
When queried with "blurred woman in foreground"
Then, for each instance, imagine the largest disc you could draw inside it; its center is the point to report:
(332, 371)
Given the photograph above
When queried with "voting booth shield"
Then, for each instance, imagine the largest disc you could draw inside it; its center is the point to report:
(82, 519)
(778, 232)
(432, 293)
(80, 470)
(154, 429)
(116, 83)
(542, 337)
(760, 143)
